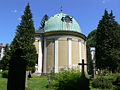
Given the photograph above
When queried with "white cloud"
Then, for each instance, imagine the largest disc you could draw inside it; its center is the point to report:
(19, 18)
(14, 11)
(105, 1)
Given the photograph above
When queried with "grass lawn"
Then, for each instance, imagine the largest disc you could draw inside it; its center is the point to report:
(35, 83)
(3, 84)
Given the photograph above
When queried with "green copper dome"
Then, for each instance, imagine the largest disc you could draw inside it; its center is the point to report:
(62, 22)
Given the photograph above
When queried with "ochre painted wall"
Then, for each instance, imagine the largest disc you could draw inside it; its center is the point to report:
(50, 55)
(63, 53)
(83, 50)
(75, 52)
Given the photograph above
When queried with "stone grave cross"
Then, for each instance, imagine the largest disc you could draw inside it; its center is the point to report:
(82, 65)
(83, 82)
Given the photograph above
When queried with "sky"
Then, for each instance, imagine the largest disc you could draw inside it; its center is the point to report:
(86, 12)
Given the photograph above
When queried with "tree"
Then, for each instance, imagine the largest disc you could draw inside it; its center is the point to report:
(23, 52)
(105, 42)
(91, 42)
(44, 19)
(4, 63)
(115, 50)
(90, 61)
(91, 39)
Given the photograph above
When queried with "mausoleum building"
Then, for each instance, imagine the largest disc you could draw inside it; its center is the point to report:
(60, 44)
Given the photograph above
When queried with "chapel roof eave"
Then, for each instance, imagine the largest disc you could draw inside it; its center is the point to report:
(64, 33)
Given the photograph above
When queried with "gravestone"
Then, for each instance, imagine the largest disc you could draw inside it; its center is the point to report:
(16, 75)
(83, 82)
(82, 65)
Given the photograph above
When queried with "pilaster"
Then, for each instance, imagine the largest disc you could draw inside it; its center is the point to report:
(40, 57)
(45, 50)
(80, 53)
(69, 52)
(56, 56)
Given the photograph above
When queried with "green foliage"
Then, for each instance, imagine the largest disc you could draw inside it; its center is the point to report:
(23, 51)
(32, 69)
(90, 62)
(91, 42)
(106, 80)
(4, 63)
(101, 82)
(116, 88)
(5, 74)
(107, 45)
(22, 48)
(66, 80)
(91, 39)
(44, 19)
(115, 51)
(116, 83)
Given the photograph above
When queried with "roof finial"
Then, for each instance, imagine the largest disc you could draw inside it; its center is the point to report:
(61, 9)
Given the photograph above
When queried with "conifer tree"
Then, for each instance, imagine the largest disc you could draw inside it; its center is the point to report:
(91, 39)
(105, 41)
(90, 61)
(23, 52)
(91, 42)
(115, 50)
(44, 19)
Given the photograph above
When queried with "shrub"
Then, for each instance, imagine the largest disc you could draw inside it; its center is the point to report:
(5, 74)
(116, 83)
(106, 80)
(116, 87)
(32, 69)
(66, 80)
(101, 82)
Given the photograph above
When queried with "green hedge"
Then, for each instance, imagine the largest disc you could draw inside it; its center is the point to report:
(5, 74)
(101, 82)
(116, 87)
(65, 80)
(109, 81)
